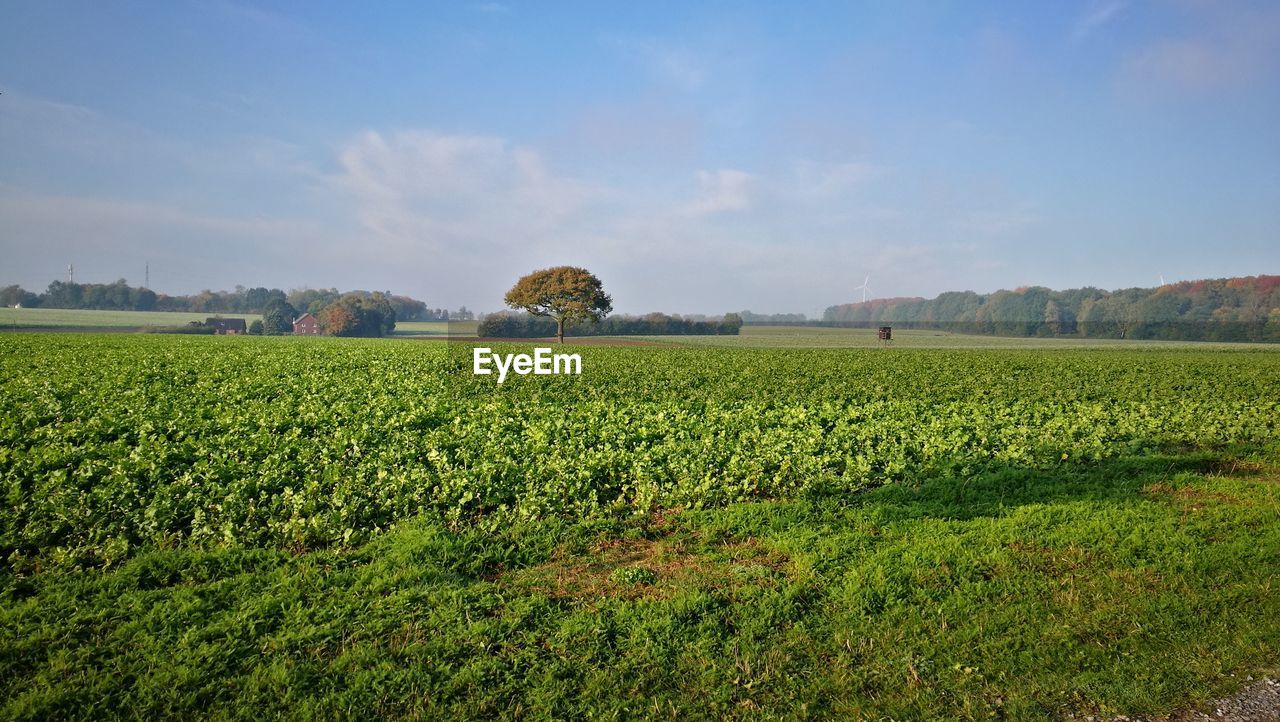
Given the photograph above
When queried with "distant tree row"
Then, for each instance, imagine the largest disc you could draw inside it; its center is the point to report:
(772, 318)
(1227, 309)
(750, 318)
(521, 325)
(120, 296)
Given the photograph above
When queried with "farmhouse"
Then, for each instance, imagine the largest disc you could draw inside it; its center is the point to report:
(226, 326)
(306, 325)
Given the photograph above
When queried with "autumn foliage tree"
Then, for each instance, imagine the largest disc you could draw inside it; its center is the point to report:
(356, 314)
(1219, 309)
(563, 293)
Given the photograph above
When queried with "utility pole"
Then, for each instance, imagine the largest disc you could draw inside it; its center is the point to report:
(146, 283)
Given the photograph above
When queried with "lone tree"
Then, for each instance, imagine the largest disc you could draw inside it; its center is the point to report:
(564, 293)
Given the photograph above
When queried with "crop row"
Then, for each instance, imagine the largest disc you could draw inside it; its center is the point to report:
(108, 443)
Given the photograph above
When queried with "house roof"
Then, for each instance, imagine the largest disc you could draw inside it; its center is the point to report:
(303, 316)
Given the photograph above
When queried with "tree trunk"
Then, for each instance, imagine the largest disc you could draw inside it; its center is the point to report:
(560, 329)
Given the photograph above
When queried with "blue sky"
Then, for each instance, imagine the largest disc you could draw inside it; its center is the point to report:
(698, 157)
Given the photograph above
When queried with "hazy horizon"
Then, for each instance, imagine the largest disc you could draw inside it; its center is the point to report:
(698, 159)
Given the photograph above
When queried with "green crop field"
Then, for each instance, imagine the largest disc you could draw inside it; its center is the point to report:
(257, 527)
(60, 319)
(84, 319)
(822, 337)
(435, 328)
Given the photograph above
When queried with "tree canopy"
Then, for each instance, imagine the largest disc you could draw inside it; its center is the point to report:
(509, 324)
(355, 314)
(277, 317)
(563, 293)
(1223, 309)
(120, 296)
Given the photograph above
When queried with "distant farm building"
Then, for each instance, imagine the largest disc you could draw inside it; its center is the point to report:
(226, 326)
(306, 325)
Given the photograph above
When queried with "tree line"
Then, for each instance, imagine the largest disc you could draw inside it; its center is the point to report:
(779, 319)
(523, 325)
(120, 296)
(1224, 309)
(351, 314)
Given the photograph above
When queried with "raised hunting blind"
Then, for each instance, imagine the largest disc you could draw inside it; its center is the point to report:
(886, 333)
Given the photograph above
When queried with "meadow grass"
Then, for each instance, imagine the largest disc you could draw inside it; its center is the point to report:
(87, 319)
(55, 319)
(91, 320)
(435, 328)
(235, 528)
(822, 337)
(1143, 584)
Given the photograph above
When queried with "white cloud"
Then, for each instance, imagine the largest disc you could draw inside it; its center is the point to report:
(635, 131)
(1096, 18)
(817, 181)
(481, 210)
(112, 238)
(88, 137)
(105, 213)
(1226, 48)
(722, 191)
(455, 218)
(1188, 65)
(278, 27)
(426, 189)
(67, 127)
(671, 64)
(998, 221)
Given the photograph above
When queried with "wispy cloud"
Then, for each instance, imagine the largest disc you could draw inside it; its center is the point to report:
(109, 238)
(87, 135)
(276, 25)
(480, 209)
(1226, 48)
(823, 181)
(1096, 18)
(109, 212)
(429, 190)
(724, 190)
(636, 129)
(674, 65)
(998, 221)
(67, 127)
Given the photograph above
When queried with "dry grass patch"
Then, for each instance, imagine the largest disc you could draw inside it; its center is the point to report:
(649, 569)
(1189, 496)
(1235, 468)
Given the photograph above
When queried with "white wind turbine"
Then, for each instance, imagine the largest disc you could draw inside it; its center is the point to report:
(864, 288)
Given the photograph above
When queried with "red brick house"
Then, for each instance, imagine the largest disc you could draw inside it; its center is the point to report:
(306, 325)
(226, 326)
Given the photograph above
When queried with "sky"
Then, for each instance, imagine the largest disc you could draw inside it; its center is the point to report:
(698, 157)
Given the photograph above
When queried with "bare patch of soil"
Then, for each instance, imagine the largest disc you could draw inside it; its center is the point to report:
(1189, 495)
(668, 566)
